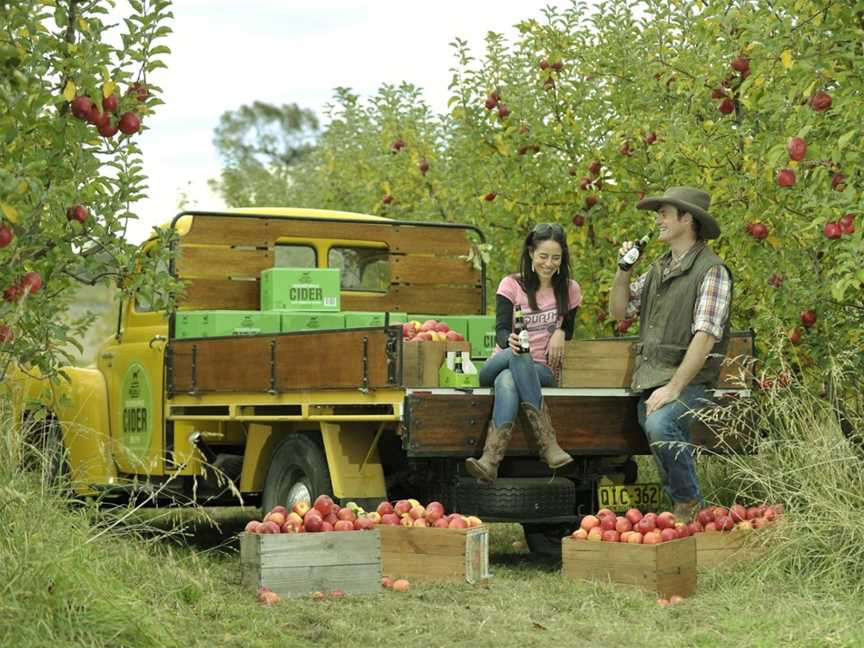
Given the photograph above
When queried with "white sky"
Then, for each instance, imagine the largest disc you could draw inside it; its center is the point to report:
(229, 52)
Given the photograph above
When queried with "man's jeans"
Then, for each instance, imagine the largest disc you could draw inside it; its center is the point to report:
(667, 430)
(517, 379)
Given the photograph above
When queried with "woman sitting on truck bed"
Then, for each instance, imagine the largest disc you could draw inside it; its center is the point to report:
(548, 299)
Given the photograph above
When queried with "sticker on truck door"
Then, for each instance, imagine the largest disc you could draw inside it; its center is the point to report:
(137, 411)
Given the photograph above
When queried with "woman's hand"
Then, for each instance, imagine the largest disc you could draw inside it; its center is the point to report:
(555, 349)
(513, 342)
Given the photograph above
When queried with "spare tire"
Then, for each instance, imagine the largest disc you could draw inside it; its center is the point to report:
(515, 499)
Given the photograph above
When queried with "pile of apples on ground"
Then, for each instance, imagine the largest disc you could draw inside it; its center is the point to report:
(634, 527)
(327, 515)
(429, 331)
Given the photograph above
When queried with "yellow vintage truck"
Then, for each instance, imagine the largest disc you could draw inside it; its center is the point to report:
(290, 414)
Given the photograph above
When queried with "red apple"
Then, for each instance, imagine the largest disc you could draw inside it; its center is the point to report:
(503, 111)
(711, 527)
(706, 515)
(622, 524)
(434, 511)
(741, 64)
(683, 530)
(610, 535)
(81, 107)
(718, 93)
(139, 90)
(668, 534)
(820, 101)
(770, 514)
(312, 523)
(252, 526)
(808, 318)
(453, 336)
(634, 515)
(346, 514)
(387, 199)
(589, 522)
(491, 102)
(363, 524)
(402, 506)
(423, 523)
(441, 523)
(666, 520)
(417, 512)
(31, 282)
(269, 527)
(646, 525)
(719, 511)
(276, 517)
(458, 522)
(397, 145)
(386, 582)
(129, 123)
(635, 538)
(579, 534)
(759, 231)
(838, 181)
(607, 522)
(695, 527)
(578, 220)
(738, 512)
(727, 106)
(401, 585)
(652, 537)
(724, 523)
(77, 212)
(324, 505)
(344, 525)
(775, 280)
(786, 177)
(846, 222)
(6, 235)
(650, 138)
(489, 197)
(797, 149)
(595, 534)
(390, 518)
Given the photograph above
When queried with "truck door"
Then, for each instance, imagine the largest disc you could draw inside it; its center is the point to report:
(134, 368)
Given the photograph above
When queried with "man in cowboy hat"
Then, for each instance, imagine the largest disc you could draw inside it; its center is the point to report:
(684, 301)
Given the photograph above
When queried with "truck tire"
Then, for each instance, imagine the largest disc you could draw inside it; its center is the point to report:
(515, 499)
(298, 471)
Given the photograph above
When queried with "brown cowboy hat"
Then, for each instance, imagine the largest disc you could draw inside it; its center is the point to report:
(687, 199)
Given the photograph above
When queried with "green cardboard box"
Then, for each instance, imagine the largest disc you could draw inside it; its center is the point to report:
(449, 378)
(481, 334)
(293, 321)
(300, 289)
(458, 323)
(218, 323)
(366, 319)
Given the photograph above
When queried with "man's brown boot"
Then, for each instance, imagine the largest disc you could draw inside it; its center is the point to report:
(541, 425)
(485, 469)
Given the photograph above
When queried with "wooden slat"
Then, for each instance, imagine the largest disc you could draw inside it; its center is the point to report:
(718, 549)
(610, 362)
(221, 364)
(442, 300)
(431, 554)
(309, 360)
(424, 269)
(455, 425)
(220, 294)
(227, 230)
(264, 232)
(222, 262)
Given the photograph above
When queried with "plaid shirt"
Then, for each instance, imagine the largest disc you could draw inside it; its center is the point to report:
(712, 305)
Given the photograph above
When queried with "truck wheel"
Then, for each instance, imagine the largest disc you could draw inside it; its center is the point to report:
(298, 471)
(545, 539)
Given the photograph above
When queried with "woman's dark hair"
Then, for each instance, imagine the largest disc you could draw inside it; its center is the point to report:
(529, 280)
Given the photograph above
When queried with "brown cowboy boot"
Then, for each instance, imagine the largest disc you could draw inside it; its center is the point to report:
(485, 469)
(541, 425)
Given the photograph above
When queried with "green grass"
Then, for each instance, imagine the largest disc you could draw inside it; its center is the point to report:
(143, 589)
(75, 576)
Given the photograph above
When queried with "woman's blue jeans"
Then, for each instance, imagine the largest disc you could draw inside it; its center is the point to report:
(668, 432)
(516, 379)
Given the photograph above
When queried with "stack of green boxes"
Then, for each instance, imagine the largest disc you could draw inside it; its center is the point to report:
(292, 299)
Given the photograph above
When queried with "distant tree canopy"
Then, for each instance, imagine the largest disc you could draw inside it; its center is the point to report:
(259, 143)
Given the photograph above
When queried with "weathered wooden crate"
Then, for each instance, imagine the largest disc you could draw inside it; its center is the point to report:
(435, 554)
(666, 568)
(723, 548)
(297, 564)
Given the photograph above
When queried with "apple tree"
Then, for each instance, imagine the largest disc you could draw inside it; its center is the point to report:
(593, 108)
(75, 91)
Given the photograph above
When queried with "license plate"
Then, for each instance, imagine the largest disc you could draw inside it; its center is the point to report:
(620, 497)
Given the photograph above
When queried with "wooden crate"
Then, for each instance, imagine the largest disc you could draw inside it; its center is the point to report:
(297, 564)
(435, 554)
(667, 568)
(722, 548)
(421, 361)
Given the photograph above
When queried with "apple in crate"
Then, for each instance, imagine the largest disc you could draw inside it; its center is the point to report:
(324, 505)
(384, 508)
